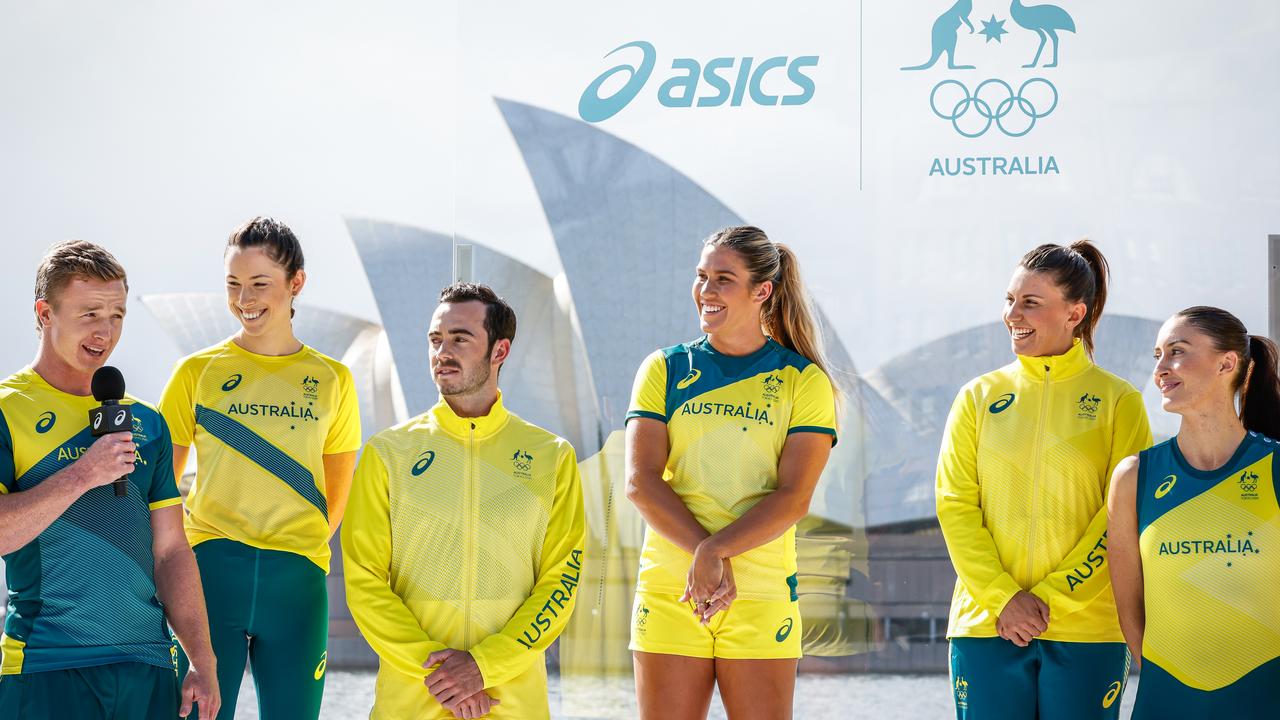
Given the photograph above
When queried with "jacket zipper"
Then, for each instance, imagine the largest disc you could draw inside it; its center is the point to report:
(1035, 475)
(469, 535)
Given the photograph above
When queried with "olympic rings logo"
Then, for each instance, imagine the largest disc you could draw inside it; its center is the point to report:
(994, 101)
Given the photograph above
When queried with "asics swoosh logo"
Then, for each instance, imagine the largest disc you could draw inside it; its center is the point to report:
(689, 379)
(424, 462)
(1003, 403)
(784, 631)
(1112, 693)
(1166, 486)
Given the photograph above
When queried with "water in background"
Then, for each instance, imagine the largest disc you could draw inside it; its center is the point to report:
(349, 695)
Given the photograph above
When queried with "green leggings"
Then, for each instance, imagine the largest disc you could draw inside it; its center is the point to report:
(270, 608)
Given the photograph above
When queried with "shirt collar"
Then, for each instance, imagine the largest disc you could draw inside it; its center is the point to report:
(481, 427)
(1074, 361)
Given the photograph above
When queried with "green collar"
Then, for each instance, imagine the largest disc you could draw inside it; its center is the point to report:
(479, 427)
(1057, 367)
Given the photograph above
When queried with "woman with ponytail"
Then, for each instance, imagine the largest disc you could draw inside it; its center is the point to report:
(1195, 528)
(275, 426)
(1021, 490)
(726, 438)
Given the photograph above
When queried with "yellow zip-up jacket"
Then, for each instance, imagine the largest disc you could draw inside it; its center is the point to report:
(1022, 482)
(463, 533)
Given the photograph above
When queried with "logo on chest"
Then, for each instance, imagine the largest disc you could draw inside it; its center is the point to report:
(522, 464)
(424, 462)
(1248, 485)
(1088, 406)
(310, 388)
(1001, 404)
(772, 387)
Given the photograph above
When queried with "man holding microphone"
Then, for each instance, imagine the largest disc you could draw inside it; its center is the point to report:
(93, 576)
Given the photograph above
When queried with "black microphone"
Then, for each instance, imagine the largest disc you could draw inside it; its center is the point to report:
(108, 388)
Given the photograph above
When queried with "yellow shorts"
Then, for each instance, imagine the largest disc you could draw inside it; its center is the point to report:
(748, 630)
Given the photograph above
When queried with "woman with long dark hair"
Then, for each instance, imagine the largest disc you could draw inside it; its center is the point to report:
(1021, 496)
(1195, 528)
(726, 438)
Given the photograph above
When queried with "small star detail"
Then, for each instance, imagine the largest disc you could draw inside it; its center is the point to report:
(993, 29)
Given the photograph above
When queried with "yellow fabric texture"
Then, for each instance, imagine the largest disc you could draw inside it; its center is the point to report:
(727, 421)
(261, 426)
(463, 533)
(748, 630)
(1209, 565)
(1026, 460)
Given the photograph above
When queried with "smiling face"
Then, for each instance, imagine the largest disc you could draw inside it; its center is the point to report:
(725, 299)
(1190, 372)
(84, 324)
(259, 293)
(1041, 321)
(461, 360)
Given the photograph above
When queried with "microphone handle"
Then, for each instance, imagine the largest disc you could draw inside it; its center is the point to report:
(121, 486)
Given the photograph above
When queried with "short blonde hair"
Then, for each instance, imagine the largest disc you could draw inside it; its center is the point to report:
(72, 259)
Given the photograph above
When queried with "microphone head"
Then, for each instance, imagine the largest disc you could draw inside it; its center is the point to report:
(107, 384)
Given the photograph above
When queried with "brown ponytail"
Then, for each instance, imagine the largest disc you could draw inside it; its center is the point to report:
(787, 316)
(1260, 391)
(1255, 380)
(1081, 271)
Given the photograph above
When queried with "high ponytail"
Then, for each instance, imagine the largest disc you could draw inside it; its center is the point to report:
(1260, 391)
(1256, 379)
(1081, 271)
(787, 316)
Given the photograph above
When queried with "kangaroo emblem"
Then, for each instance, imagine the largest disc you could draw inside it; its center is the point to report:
(945, 32)
(1045, 21)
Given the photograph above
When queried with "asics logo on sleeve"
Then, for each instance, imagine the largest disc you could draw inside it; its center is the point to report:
(46, 421)
(424, 462)
(232, 382)
(324, 662)
(784, 631)
(689, 379)
(1112, 693)
(1166, 486)
(1003, 403)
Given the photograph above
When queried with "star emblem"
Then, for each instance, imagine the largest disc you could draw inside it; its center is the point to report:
(993, 29)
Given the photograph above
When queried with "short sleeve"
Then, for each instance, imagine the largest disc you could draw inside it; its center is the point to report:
(7, 471)
(649, 392)
(344, 430)
(178, 403)
(164, 487)
(813, 407)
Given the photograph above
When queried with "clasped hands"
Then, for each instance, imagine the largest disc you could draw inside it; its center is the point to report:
(1024, 618)
(458, 684)
(709, 584)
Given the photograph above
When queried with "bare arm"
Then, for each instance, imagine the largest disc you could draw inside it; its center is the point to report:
(338, 470)
(661, 508)
(180, 453)
(1124, 558)
(804, 455)
(179, 589)
(26, 514)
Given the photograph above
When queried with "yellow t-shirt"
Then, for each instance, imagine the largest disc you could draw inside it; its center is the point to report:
(727, 419)
(261, 426)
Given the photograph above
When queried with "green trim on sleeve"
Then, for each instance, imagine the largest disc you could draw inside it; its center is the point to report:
(646, 414)
(816, 429)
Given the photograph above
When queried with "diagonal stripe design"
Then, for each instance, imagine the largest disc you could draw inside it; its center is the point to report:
(264, 454)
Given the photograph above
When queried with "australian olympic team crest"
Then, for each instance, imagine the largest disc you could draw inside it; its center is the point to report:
(772, 386)
(522, 464)
(979, 103)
